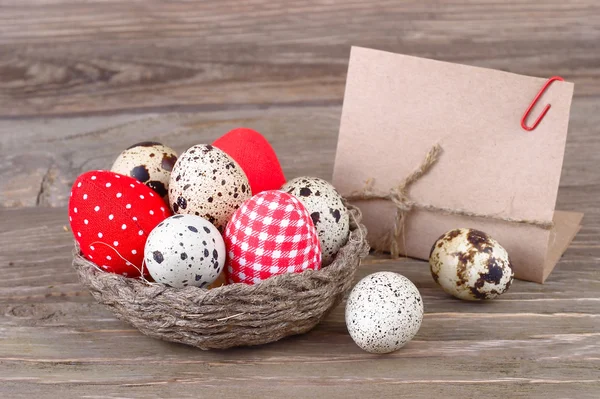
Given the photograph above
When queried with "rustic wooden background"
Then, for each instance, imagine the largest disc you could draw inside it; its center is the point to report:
(81, 80)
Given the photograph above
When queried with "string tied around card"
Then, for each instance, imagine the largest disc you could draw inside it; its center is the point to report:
(399, 196)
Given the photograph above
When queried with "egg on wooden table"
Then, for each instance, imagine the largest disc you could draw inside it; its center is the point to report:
(111, 216)
(185, 250)
(327, 210)
(470, 265)
(149, 162)
(207, 182)
(384, 311)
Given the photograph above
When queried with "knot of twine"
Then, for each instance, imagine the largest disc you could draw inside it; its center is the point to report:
(399, 196)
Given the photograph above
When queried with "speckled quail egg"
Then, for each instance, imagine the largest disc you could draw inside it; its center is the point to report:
(470, 265)
(149, 162)
(384, 311)
(185, 250)
(327, 210)
(207, 182)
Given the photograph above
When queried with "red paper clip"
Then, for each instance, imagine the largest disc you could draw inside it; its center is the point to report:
(535, 100)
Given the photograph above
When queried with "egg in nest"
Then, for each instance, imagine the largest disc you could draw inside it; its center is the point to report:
(207, 182)
(327, 211)
(185, 250)
(149, 162)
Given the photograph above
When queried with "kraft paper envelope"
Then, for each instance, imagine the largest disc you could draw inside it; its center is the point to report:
(397, 107)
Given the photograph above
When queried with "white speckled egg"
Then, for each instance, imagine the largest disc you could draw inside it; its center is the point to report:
(149, 162)
(327, 210)
(384, 311)
(207, 182)
(185, 250)
(470, 265)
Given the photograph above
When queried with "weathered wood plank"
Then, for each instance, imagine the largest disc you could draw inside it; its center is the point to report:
(320, 387)
(64, 57)
(110, 73)
(534, 340)
(42, 157)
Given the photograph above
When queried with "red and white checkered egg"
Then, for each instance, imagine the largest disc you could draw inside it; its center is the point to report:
(111, 216)
(270, 234)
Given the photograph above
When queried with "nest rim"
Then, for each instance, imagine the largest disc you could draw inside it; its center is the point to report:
(184, 314)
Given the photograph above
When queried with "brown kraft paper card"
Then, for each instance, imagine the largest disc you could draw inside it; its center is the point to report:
(397, 107)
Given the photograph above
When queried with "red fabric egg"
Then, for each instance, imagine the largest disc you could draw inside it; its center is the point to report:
(271, 233)
(111, 216)
(256, 157)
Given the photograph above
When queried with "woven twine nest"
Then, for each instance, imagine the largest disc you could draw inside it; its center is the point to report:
(231, 315)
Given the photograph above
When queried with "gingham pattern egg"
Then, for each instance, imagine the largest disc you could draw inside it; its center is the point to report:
(327, 211)
(272, 233)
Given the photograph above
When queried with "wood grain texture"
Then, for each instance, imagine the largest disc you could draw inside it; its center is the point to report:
(45, 156)
(65, 57)
(81, 80)
(42, 157)
(534, 340)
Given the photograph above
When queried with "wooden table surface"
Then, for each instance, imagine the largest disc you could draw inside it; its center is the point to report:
(81, 80)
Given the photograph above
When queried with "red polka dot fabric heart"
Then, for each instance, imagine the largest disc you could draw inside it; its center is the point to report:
(271, 233)
(256, 157)
(111, 216)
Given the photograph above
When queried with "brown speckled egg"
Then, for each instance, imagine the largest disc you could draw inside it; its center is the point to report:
(150, 163)
(327, 210)
(470, 265)
(207, 182)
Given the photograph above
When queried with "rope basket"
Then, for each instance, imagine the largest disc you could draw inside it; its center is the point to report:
(231, 315)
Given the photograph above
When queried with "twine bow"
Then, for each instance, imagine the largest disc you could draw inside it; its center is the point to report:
(399, 195)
